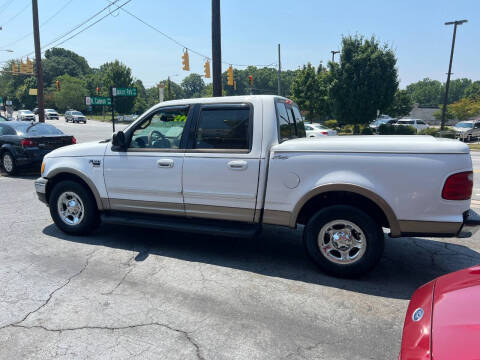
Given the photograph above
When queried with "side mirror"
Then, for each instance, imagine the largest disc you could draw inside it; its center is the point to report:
(118, 139)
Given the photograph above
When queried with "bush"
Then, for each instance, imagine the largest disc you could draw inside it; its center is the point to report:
(366, 131)
(436, 132)
(332, 124)
(385, 129)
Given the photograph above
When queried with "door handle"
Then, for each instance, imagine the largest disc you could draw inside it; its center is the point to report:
(237, 165)
(165, 163)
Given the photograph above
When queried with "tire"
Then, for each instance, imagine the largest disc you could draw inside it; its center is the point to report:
(355, 261)
(84, 208)
(8, 163)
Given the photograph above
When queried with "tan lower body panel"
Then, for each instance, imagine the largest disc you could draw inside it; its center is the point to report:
(220, 212)
(429, 227)
(149, 207)
(277, 217)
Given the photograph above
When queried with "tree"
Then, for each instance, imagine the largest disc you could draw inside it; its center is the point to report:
(426, 92)
(365, 81)
(22, 94)
(473, 91)
(465, 109)
(402, 104)
(117, 74)
(457, 89)
(140, 103)
(72, 94)
(60, 61)
(193, 86)
(310, 92)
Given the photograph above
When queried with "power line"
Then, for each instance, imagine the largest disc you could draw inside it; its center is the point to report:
(18, 13)
(5, 5)
(41, 25)
(183, 45)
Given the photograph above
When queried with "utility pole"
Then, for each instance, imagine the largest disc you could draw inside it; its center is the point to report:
(216, 49)
(169, 91)
(112, 95)
(333, 54)
(447, 85)
(279, 72)
(38, 61)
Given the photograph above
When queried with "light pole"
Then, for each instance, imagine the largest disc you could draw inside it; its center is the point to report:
(333, 54)
(447, 85)
(7, 50)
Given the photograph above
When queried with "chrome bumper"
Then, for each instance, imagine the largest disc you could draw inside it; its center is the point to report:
(41, 189)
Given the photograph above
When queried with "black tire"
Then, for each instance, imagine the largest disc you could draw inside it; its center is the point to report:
(9, 170)
(373, 235)
(91, 217)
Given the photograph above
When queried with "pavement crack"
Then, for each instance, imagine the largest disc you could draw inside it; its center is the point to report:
(187, 335)
(50, 296)
(130, 262)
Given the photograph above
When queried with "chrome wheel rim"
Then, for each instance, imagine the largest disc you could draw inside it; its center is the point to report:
(342, 242)
(70, 208)
(7, 163)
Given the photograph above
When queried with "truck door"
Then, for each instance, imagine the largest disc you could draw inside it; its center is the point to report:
(220, 170)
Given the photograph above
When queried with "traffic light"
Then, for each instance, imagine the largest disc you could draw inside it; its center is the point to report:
(185, 61)
(250, 80)
(29, 66)
(235, 85)
(230, 76)
(206, 66)
(14, 68)
(23, 68)
(58, 85)
(98, 90)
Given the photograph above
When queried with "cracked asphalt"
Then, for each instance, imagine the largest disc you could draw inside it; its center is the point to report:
(137, 293)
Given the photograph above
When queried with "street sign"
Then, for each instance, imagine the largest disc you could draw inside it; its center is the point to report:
(33, 92)
(8, 102)
(124, 91)
(98, 100)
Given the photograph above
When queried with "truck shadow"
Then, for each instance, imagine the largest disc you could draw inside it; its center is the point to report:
(407, 262)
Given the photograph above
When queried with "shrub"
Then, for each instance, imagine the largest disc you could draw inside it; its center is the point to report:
(332, 124)
(405, 130)
(366, 131)
(385, 129)
(447, 133)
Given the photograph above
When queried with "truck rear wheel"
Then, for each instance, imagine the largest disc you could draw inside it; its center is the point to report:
(73, 208)
(344, 241)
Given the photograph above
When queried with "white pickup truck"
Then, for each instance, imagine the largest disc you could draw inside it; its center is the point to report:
(229, 165)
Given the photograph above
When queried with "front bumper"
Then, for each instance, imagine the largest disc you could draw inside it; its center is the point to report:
(41, 189)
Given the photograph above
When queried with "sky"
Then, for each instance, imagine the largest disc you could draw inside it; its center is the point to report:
(306, 29)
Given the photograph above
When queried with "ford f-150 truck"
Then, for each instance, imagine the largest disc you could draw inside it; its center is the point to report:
(229, 165)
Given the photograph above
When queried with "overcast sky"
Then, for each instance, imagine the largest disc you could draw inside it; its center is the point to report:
(306, 29)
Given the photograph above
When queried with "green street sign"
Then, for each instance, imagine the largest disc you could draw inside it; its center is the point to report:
(98, 100)
(124, 91)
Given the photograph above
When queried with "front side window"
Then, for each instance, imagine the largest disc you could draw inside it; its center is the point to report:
(223, 128)
(161, 130)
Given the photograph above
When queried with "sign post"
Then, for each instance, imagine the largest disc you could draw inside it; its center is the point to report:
(113, 92)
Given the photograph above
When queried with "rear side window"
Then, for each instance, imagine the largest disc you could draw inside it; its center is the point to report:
(299, 122)
(223, 128)
(290, 121)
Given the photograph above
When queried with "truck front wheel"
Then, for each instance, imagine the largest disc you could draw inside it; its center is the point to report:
(343, 240)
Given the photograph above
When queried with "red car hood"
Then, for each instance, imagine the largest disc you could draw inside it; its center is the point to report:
(456, 316)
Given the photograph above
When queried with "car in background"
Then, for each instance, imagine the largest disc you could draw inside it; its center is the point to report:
(24, 144)
(443, 320)
(467, 130)
(381, 120)
(317, 130)
(3, 119)
(35, 111)
(51, 114)
(25, 115)
(127, 118)
(418, 124)
(75, 116)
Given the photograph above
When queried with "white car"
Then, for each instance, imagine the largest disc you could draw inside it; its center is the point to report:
(51, 114)
(318, 130)
(25, 115)
(418, 124)
(228, 165)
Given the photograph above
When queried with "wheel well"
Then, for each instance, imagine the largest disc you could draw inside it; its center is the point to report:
(63, 177)
(342, 198)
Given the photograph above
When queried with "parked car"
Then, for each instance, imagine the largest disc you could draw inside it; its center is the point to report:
(3, 119)
(229, 165)
(23, 144)
(443, 318)
(127, 118)
(51, 114)
(467, 130)
(25, 115)
(382, 119)
(416, 123)
(75, 116)
(35, 111)
(318, 130)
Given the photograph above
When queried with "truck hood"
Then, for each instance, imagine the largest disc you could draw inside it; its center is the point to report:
(413, 144)
(85, 149)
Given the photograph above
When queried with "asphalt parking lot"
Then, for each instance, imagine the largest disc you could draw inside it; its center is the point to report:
(149, 294)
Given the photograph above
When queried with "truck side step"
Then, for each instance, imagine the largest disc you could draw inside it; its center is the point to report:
(174, 223)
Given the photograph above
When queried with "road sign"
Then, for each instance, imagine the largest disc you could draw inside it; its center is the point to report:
(98, 100)
(33, 92)
(124, 91)
(8, 102)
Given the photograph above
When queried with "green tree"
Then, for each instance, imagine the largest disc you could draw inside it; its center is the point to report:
(426, 92)
(473, 91)
(402, 104)
(60, 61)
(192, 86)
(117, 74)
(456, 90)
(140, 103)
(72, 94)
(172, 91)
(365, 80)
(26, 100)
(465, 109)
